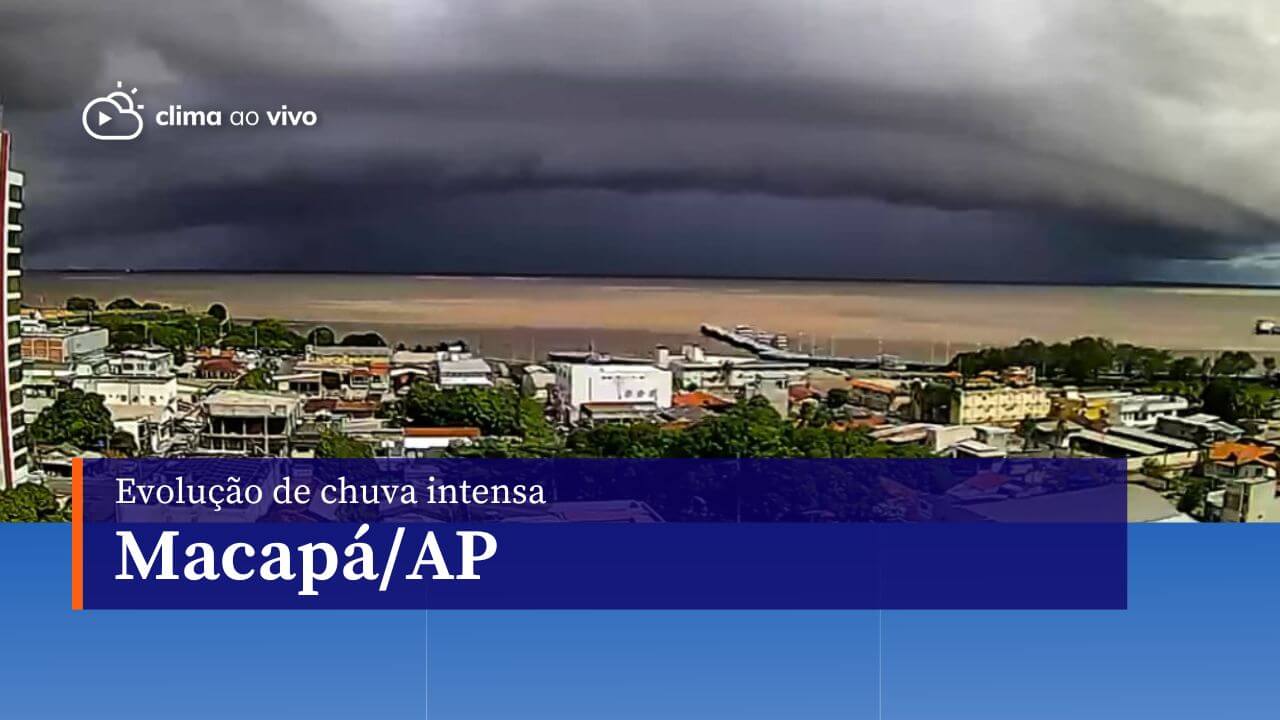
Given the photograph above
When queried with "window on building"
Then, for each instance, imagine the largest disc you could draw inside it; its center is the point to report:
(16, 420)
(15, 216)
(15, 352)
(15, 193)
(15, 329)
(15, 397)
(15, 239)
(15, 284)
(15, 261)
(20, 461)
(15, 308)
(15, 374)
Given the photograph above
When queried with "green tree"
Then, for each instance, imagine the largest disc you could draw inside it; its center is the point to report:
(268, 333)
(496, 411)
(837, 398)
(1192, 497)
(256, 379)
(75, 417)
(81, 304)
(1234, 363)
(1148, 364)
(173, 338)
(31, 502)
(217, 311)
(1221, 397)
(124, 303)
(1084, 358)
(122, 444)
(814, 415)
(365, 339)
(1184, 369)
(320, 336)
(334, 444)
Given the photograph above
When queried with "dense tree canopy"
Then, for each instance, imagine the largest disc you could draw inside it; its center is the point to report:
(1234, 362)
(122, 444)
(496, 411)
(75, 417)
(1084, 359)
(256, 379)
(31, 502)
(364, 339)
(320, 336)
(334, 444)
(124, 303)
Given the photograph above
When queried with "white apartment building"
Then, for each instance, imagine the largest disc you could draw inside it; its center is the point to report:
(579, 384)
(13, 447)
(142, 363)
(140, 389)
(464, 372)
(62, 344)
(1142, 411)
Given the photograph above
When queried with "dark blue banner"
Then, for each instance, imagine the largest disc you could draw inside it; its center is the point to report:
(271, 533)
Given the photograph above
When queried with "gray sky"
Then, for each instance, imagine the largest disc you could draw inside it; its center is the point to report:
(1066, 140)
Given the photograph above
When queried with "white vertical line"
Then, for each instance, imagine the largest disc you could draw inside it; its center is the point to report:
(880, 666)
(426, 665)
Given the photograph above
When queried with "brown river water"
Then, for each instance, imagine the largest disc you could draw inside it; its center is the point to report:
(524, 317)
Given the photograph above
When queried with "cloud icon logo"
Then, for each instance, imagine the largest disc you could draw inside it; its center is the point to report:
(113, 116)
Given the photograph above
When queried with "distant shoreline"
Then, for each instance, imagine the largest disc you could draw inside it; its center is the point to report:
(665, 278)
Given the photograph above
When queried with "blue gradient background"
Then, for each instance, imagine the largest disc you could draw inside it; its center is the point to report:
(1199, 640)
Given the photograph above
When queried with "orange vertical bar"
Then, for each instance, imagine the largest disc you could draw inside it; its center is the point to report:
(77, 534)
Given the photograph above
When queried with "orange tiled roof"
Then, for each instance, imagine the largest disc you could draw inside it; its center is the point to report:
(220, 364)
(442, 432)
(800, 393)
(699, 398)
(1241, 453)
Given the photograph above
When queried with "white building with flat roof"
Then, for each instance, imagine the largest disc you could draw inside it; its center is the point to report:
(148, 362)
(252, 423)
(464, 372)
(579, 384)
(1142, 411)
(62, 344)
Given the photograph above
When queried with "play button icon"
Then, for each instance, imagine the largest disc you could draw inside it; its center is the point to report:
(113, 116)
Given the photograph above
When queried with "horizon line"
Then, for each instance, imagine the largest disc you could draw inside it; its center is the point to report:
(672, 276)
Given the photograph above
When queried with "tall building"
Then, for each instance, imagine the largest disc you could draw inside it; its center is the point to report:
(13, 446)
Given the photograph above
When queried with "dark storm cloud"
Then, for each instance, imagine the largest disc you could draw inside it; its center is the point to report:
(1098, 132)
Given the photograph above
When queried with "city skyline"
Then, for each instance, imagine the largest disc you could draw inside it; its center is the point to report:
(1066, 142)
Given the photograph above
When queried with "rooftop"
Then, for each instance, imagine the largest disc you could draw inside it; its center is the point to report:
(343, 350)
(437, 432)
(701, 399)
(1120, 443)
(1237, 454)
(229, 402)
(467, 366)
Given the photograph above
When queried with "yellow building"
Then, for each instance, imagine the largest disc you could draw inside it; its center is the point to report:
(998, 405)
